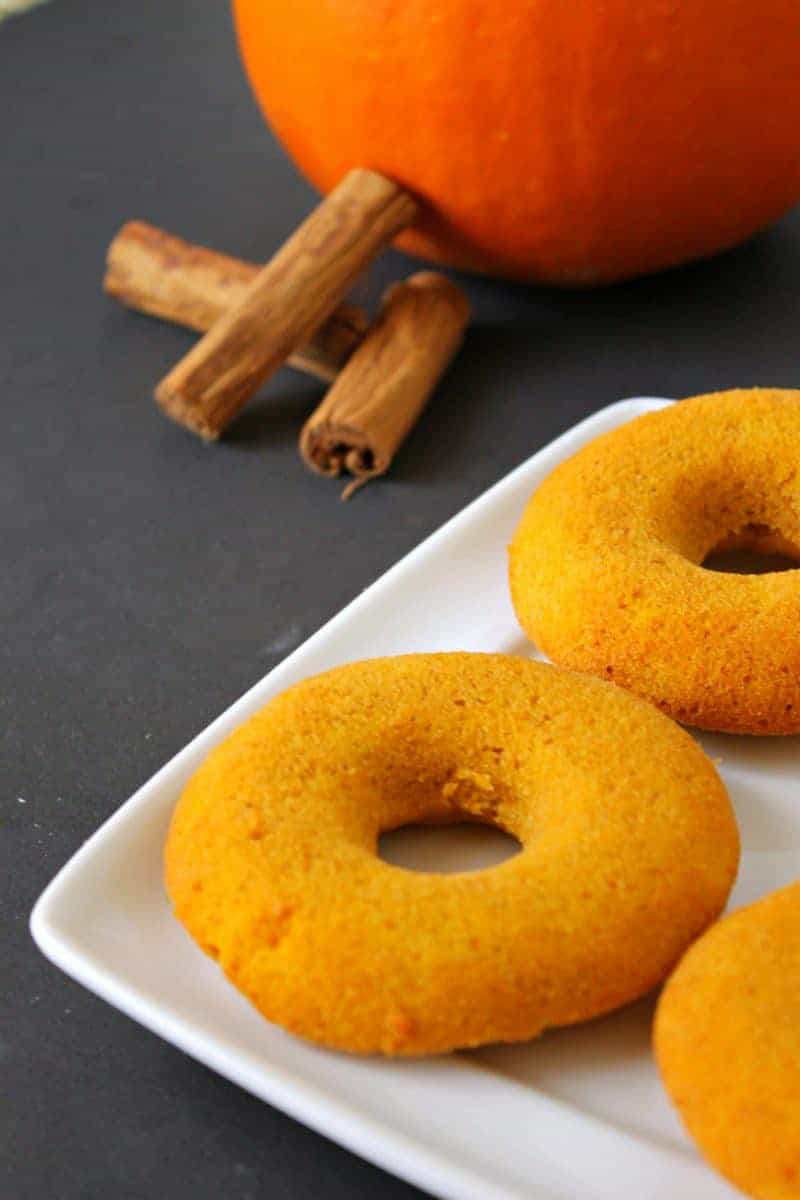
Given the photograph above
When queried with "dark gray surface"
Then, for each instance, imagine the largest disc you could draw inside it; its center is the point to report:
(148, 580)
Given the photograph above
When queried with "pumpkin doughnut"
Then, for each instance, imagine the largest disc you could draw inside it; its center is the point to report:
(606, 565)
(727, 1040)
(629, 851)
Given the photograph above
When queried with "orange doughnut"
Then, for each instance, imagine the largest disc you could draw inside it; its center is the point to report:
(727, 1040)
(605, 566)
(629, 851)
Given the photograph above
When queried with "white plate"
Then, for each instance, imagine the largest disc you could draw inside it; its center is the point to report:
(579, 1112)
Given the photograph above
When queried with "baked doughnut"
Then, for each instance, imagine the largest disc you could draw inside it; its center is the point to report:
(629, 851)
(605, 566)
(727, 1040)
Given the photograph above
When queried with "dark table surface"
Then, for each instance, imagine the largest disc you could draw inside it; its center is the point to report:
(148, 580)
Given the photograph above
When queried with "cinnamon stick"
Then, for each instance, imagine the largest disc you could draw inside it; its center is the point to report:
(384, 386)
(155, 272)
(285, 302)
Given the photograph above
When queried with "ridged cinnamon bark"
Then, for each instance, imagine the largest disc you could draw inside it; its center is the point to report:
(383, 388)
(155, 272)
(285, 302)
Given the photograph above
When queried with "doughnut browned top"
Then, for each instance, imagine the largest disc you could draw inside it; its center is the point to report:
(629, 849)
(727, 1039)
(606, 571)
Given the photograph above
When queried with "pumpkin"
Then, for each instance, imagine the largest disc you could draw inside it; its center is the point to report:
(575, 142)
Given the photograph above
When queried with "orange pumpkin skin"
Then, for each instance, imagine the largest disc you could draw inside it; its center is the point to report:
(575, 142)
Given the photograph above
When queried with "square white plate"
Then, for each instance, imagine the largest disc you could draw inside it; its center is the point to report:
(579, 1113)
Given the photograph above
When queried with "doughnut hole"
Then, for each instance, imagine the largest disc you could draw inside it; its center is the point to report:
(447, 849)
(735, 523)
(755, 550)
(466, 835)
(736, 504)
